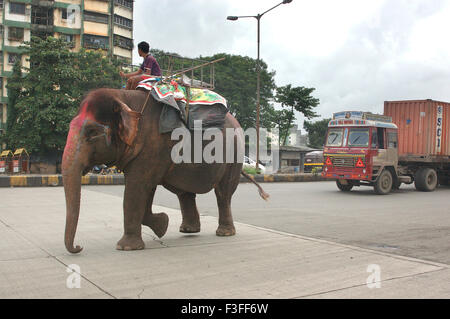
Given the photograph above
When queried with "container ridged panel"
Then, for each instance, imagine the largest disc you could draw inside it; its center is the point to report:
(418, 123)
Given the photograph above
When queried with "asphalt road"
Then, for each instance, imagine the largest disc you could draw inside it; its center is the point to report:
(406, 222)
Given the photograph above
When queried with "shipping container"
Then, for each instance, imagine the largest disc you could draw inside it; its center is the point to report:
(424, 129)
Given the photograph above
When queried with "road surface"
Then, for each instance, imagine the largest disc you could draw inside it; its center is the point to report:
(405, 222)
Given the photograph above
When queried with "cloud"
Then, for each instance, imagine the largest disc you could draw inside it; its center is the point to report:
(357, 54)
(190, 28)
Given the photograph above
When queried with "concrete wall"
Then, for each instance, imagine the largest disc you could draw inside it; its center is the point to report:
(71, 1)
(123, 32)
(96, 6)
(123, 52)
(124, 12)
(96, 28)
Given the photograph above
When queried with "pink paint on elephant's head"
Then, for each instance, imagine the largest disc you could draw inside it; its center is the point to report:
(75, 131)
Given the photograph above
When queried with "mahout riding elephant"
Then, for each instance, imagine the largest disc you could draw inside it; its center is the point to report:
(121, 128)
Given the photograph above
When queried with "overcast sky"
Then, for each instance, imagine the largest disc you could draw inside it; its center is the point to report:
(356, 53)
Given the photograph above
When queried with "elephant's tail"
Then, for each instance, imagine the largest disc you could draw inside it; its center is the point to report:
(262, 193)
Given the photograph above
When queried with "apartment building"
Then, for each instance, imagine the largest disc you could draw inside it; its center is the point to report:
(105, 25)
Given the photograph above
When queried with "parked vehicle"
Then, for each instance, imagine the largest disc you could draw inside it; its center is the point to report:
(251, 163)
(313, 160)
(410, 143)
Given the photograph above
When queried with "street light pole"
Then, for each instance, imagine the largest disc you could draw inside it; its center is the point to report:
(258, 70)
(258, 87)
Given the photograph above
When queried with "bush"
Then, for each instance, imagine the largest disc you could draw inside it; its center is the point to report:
(251, 170)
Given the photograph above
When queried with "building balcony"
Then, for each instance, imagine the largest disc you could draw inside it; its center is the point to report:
(96, 46)
(42, 28)
(43, 3)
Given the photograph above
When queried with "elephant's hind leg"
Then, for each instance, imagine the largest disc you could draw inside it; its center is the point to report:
(157, 222)
(224, 191)
(191, 217)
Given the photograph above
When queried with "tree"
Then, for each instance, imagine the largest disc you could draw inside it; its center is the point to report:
(13, 94)
(316, 132)
(45, 99)
(295, 99)
(236, 81)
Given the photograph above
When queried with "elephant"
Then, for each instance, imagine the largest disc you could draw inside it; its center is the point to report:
(120, 127)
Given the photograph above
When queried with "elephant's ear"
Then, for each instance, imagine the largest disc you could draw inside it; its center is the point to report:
(128, 126)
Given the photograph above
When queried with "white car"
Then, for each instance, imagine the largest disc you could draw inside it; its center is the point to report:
(251, 163)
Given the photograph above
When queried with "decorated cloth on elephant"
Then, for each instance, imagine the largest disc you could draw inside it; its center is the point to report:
(183, 105)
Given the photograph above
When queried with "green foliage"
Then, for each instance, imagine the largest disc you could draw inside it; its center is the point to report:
(315, 171)
(283, 121)
(316, 132)
(236, 81)
(45, 98)
(296, 99)
(13, 94)
(251, 170)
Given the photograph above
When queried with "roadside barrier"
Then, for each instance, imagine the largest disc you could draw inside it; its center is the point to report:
(119, 179)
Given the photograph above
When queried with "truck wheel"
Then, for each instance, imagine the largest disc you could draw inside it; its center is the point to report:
(384, 183)
(344, 188)
(426, 179)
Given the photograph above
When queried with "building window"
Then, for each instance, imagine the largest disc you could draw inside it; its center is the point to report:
(68, 16)
(13, 58)
(123, 22)
(125, 3)
(15, 34)
(41, 15)
(123, 42)
(16, 8)
(95, 42)
(1, 4)
(95, 17)
(69, 38)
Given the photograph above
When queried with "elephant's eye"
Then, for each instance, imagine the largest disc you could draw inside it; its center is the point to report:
(91, 133)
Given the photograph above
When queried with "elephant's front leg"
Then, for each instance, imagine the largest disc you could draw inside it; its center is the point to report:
(157, 222)
(135, 205)
(191, 217)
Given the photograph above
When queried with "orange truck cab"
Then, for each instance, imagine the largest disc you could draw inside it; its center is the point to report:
(361, 148)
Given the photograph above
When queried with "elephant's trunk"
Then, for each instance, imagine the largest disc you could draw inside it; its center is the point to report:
(72, 169)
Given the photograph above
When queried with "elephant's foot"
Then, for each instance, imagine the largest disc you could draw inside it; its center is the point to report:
(157, 222)
(190, 228)
(129, 242)
(226, 230)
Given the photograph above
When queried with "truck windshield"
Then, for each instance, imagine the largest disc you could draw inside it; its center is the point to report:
(334, 137)
(358, 137)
